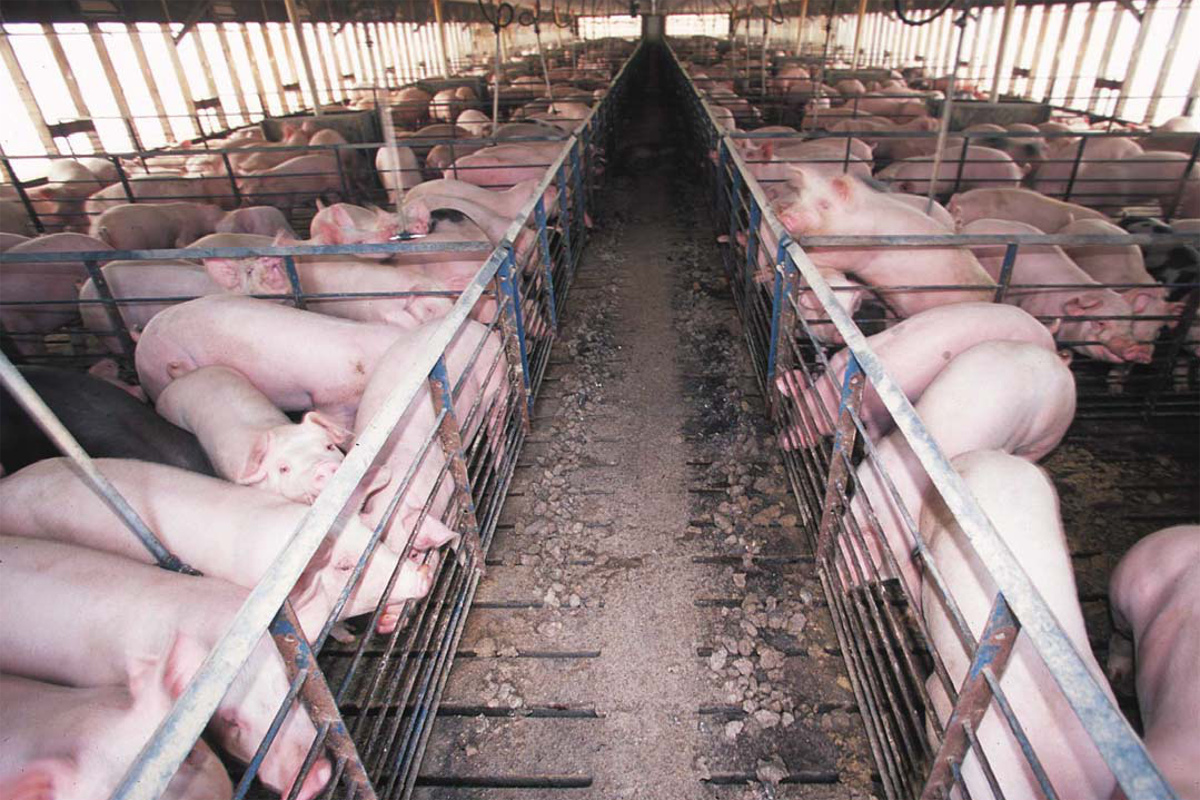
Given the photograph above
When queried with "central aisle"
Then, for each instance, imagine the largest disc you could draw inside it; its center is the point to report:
(648, 627)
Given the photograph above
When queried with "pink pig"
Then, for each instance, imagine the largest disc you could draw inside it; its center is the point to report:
(109, 610)
(1019, 205)
(1104, 339)
(248, 439)
(76, 744)
(225, 531)
(913, 352)
(299, 359)
(1021, 503)
(1154, 593)
(1026, 404)
(152, 226)
(980, 167)
(141, 280)
(843, 205)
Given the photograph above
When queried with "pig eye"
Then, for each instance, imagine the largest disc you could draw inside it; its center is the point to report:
(284, 469)
(330, 447)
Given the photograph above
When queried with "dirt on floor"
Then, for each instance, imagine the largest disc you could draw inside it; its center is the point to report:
(651, 625)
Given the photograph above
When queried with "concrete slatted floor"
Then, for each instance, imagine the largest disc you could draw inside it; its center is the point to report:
(650, 625)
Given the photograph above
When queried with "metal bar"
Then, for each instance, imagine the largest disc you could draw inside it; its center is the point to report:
(1006, 269)
(317, 699)
(858, 26)
(46, 420)
(441, 31)
(944, 122)
(22, 195)
(1189, 104)
(991, 654)
(1184, 180)
(1075, 169)
(450, 437)
(512, 296)
(547, 261)
(21, 83)
(1134, 61)
(1006, 26)
(843, 443)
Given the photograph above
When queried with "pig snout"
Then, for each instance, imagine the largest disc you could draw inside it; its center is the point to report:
(321, 474)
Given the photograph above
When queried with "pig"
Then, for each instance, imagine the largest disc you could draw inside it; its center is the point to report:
(1154, 593)
(504, 166)
(65, 743)
(772, 162)
(476, 364)
(1135, 180)
(1025, 150)
(302, 361)
(475, 122)
(1019, 205)
(1124, 264)
(11, 240)
(295, 182)
(1022, 402)
(41, 281)
(1178, 134)
(226, 531)
(399, 172)
(1054, 175)
(1109, 340)
(442, 156)
(410, 106)
(60, 202)
(849, 87)
(914, 352)
(1021, 502)
(14, 219)
(345, 223)
(248, 439)
(507, 204)
(980, 167)
(257, 220)
(109, 609)
(844, 205)
(163, 188)
(155, 226)
(105, 420)
(173, 280)
(937, 211)
(412, 288)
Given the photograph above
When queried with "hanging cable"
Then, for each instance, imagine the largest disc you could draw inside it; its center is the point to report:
(504, 17)
(898, 5)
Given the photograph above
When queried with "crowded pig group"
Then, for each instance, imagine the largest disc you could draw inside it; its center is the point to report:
(986, 367)
(241, 412)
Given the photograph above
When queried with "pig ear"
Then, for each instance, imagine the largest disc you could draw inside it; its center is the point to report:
(183, 660)
(841, 187)
(255, 469)
(341, 215)
(1139, 299)
(320, 205)
(337, 434)
(225, 272)
(767, 150)
(42, 779)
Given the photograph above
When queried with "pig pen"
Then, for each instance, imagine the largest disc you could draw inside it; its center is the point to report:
(371, 691)
(343, 168)
(1138, 432)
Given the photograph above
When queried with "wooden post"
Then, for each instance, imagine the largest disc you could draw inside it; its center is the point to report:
(1088, 24)
(441, 29)
(1160, 84)
(114, 83)
(238, 88)
(64, 66)
(160, 108)
(210, 89)
(1062, 43)
(858, 26)
(1114, 27)
(294, 18)
(1005, 27)
(23, 91)
(1135, 57)
(259, 84)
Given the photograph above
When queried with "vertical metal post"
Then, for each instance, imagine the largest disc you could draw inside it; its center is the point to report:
(781, 307)
(752, 244)
(1168, 60)
(577, 166)
(1184, 180)
(1006, 269)
(843, 444)
(735, 199)
(289, 264)
(1075, 169)
(566, 218)
(1058, 53)
(110, 309)
(974, 697)
(237, 194)
(317, 699)
(450, 437)
(512, 299)
(1084, 43)
(294, 19)
(1009, 7)
(1116, 16)
(539, 211)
